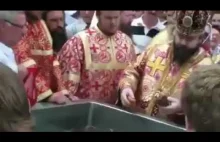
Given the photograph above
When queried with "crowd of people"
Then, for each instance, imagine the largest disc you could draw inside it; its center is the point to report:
(161, 63)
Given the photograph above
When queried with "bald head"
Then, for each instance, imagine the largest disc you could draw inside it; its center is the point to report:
(10, 16)
(12, 27)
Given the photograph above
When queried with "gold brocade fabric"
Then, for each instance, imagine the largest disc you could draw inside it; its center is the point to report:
(35, 49)
(92, 63)
(154, 75)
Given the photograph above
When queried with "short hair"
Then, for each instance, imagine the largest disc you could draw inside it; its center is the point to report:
(98, 13)
(45, 13)
(201, 99)
(14, 106)
(9, 15)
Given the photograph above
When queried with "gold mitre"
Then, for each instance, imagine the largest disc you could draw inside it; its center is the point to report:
(191, 22)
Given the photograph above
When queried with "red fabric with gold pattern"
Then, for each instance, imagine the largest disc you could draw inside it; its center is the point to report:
(35, 49)
(93, 82)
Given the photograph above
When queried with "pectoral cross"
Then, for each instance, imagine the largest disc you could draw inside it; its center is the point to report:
(94, 48)
(156, 65)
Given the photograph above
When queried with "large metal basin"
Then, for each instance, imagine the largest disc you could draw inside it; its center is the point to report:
(78, 116)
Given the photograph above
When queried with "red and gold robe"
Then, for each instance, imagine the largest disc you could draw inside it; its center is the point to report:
(154, 74)
(35, 50)
(92, 63)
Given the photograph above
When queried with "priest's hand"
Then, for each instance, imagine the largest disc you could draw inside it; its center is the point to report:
(173, 107)
(127, 97)
(73, 98)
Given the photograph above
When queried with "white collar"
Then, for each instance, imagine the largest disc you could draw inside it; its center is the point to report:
(5, 47)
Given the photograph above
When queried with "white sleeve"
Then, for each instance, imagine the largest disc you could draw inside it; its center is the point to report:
(11, 63)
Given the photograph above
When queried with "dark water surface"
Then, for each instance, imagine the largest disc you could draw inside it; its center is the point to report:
(91, 129)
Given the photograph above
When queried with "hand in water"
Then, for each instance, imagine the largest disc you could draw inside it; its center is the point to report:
(73, 98)
(127, 97)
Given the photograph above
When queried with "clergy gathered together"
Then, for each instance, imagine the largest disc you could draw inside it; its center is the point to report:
(162, 64)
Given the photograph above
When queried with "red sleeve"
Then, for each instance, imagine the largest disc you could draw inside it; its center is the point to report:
(29, 83)
(71, 61)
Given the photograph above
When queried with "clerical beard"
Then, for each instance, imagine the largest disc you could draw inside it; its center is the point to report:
(59, 38)
(127, 29)
(181, 54)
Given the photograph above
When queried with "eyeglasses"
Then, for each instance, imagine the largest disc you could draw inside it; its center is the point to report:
(16, 25)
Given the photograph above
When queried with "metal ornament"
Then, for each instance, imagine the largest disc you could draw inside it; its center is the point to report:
(187, 21)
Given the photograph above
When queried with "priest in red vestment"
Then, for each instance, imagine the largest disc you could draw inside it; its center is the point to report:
(93, 60)
(35, 54)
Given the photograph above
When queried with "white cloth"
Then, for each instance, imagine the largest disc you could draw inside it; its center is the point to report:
(141, 41)
(78, 26)
(94, 21)
(70, 12)
(68, 18)
(7, 57)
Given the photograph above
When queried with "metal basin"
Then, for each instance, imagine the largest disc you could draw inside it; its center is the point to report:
(93, 116)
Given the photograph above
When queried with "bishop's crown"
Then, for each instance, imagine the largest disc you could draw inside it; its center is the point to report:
(192, 22)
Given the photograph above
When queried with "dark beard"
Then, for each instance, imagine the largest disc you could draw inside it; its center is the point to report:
(182, 54)
(59, 38)
(127, 29)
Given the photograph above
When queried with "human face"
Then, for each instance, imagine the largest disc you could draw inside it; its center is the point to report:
(187, 41)
(185, 46)
(13, 31)
(109, 21)
(216, 20)
(138, 14)
(161, 14)
(127, 17)
(86, 16)
(152, 12)
(55, 20)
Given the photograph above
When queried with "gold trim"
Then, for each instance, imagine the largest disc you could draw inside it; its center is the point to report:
(44, 95)
(71, 77)
(216, 59)
(41, 52)
(47, 32)
(165, 84)
(113, 64)
(87, 52)
(27, 64)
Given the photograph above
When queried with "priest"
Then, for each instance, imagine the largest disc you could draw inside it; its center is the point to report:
(161, 71)
(35, 54)
(93, 60)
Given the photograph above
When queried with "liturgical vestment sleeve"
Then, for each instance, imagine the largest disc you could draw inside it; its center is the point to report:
(133, 72)
(71, 62)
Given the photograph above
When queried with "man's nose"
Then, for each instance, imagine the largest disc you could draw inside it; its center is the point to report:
(24, 30)
(60, 23)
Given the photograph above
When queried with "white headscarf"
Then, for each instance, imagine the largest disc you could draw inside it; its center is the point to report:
(94, 20)
(70, 12)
